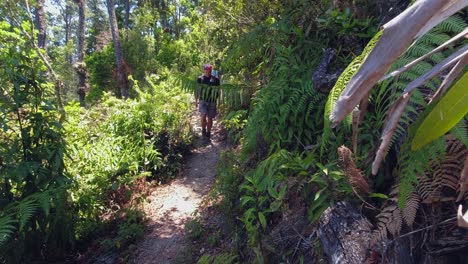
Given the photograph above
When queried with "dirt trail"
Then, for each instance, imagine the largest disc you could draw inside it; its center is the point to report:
(172, 205)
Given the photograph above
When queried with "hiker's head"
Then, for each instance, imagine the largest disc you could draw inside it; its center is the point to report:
(207, 68)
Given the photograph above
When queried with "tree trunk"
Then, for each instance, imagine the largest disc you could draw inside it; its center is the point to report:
(127, 17)
(80, 67)
(67, 17)
(345, 234)
(164, 16)
(43, 56)
(41, 24)
(121, 69)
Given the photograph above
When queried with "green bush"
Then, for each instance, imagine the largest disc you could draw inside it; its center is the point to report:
(101, 65)
(234, 122)
(116, 142)
(36, 216)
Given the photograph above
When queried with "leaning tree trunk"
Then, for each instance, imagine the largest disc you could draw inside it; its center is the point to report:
(41, 24)
(80, 66)
(121, 68)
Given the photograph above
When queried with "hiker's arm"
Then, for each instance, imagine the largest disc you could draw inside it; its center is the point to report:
(197, 92)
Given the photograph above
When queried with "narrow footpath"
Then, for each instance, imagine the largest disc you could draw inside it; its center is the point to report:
(170, 206)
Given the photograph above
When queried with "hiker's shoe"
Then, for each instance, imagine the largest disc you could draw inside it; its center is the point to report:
(208, 134)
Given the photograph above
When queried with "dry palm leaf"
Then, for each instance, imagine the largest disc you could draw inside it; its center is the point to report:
(397, 35)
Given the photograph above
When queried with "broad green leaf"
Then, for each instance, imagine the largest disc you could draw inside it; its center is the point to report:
(274, 206)
(262, 219)
(378, 195)
(246, 199)
(445, 115)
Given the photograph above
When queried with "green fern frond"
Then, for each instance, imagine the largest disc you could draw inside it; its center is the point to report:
(339, 86)
(454, 24)
(7, 228)
(414, 163)
(392, 88)
(45, 199)
(434, 37)
(26, 210)
(460, 131)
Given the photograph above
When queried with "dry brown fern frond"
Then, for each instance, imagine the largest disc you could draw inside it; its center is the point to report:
(411, 208)
(455, 148)
(389, 220)
(427, 190)
(354, 175)
(442, 183)
(463, 183)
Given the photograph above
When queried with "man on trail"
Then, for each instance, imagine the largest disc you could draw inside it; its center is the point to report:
(208, 96)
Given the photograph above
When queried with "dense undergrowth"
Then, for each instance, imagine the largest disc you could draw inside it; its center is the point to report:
(75, 180)
(115, 143)
(285, 170)
(66, 184)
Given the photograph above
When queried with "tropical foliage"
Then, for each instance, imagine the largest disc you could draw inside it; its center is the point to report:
(71, 175)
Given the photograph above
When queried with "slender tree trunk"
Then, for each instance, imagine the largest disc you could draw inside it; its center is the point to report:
(127, 18)
(176, 20)
(41, 24)
(121, 69)
(43, 56)
(80, 66)
(67, 16)
(164, 16)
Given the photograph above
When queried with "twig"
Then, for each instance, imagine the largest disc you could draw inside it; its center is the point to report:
(362, 199)
(427, 227)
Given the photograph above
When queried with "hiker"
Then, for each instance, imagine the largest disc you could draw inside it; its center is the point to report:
(208, 96)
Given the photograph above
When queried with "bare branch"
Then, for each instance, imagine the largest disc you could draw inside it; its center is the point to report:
(416, 61)
(450, 8)
(397, 35)
(393, 116)
(453, 74)
(449, 61)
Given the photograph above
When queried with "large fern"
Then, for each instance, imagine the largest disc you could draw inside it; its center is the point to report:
(451, 26)
(19, 215)
(7, 228)
(348, 73)
(429, 186)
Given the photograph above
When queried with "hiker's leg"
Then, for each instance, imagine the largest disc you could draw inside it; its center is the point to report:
(209, 124)
(203, 121)
(203, 109)
(211, 115)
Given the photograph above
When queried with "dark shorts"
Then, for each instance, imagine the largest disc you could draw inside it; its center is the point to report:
(208, 108)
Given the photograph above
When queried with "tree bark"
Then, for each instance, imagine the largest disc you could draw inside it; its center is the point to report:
(41, 24)
(43, 56)
(67, 17)
(80, 66)
(345, 234)
(121, 71)
(322, 78)
(127, 18)
(164, 16)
